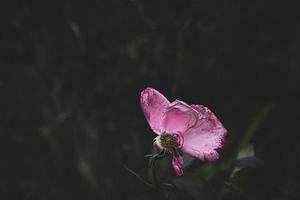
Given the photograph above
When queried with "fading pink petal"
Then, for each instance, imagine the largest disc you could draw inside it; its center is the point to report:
(179, 117)
(205, 137)
(177, 163)
(154, 105)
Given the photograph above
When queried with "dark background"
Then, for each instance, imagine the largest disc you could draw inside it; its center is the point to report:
(71, 76)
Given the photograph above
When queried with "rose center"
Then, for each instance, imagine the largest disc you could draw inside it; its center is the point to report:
(168, 142)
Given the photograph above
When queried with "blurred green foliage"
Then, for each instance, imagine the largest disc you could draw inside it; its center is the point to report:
(72, 72)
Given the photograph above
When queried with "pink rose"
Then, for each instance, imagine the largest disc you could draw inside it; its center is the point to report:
(192, 129)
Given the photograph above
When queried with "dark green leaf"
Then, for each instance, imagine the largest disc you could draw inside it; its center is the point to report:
(251, 161)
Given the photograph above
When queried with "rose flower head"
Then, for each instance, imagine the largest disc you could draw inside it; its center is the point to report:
(182, 128)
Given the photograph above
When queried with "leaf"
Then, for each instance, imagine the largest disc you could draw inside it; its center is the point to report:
(251, 161)
(246, 158)
(246, 151)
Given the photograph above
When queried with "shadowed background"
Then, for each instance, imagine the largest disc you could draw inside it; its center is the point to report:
(71, 76)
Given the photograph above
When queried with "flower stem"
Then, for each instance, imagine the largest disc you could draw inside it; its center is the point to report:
(160, 193)
(139, 177)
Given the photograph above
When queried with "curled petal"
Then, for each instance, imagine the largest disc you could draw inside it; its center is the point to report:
(205, 137)
(154, 105)
(177, 163)
(180, 139)
(179, 117)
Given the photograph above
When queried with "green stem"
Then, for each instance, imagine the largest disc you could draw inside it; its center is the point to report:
(160, 193)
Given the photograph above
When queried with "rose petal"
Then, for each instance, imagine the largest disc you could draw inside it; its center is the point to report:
(179, 117)
(177, 163)
(154, 105)
(176, 121)
(207, 135)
